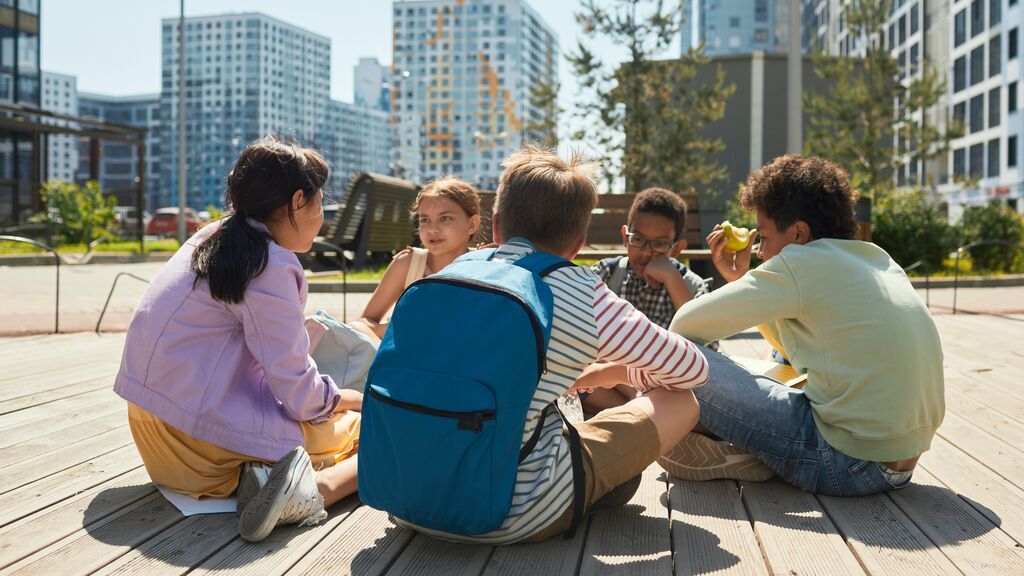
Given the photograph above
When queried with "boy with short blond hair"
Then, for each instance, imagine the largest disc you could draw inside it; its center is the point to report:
(543, 204)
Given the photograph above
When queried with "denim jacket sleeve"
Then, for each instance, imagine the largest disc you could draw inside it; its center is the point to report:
(272, 316)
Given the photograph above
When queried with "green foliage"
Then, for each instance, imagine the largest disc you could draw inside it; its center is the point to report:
(646, 116)
(910, 228)
(868, 108)
(215, 212)
(78, 214)
(544, 131)
(995, 221)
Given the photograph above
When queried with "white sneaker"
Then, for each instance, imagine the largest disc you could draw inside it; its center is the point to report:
(289, 496)
(254, 477)
(700, 458)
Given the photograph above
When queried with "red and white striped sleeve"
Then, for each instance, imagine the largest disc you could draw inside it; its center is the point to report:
(653, 356)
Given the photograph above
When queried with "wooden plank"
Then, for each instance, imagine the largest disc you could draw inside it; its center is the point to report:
(634, 537)
(44, 465)
(980, 487)
(966, 537)
(790, 523)
(995, 422)
(39, 530)
(279, 551)
(179, 548)
(884, 539)
(711, 532)
(53, 410)
(552, 556)
(56, 375)
(109, 418)
(998, 456)
(367, 543)
(63, 357)
(103, 542)
(56, 416)
(985, 389)
(40, 494)
(56, 393)
(426, 555)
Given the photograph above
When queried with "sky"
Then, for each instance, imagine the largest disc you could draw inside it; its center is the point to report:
(118, 52)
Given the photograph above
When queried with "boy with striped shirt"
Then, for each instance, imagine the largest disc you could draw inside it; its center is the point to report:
(597, 340)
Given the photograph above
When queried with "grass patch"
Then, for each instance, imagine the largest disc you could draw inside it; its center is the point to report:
(164, 245)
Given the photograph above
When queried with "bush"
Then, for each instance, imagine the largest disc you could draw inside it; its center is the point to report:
(910, 228)
(998, 222)
(78, 214)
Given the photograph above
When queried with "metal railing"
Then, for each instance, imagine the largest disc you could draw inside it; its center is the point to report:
(967, 247)
(927, 279)
(111, 294)
(56, 259)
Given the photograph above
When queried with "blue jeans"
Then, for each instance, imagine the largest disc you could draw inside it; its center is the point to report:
(775, 424)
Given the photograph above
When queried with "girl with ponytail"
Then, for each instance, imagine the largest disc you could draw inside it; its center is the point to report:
(222, 395)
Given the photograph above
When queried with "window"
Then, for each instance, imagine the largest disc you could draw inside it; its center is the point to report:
(1011, 97)
(994, 58)
(995, 13)
(960, 113)
(761, 10)
(993, 107)
(734, 22)
(960, 74)
(915, 22)
(959, 168)
(903, 29)
(977, 17)
(761, 36)
(977, 159)
(1011, 45)
(959, 28)
(977, 64)
(977, 113)
(1011, 151)
(993, 158)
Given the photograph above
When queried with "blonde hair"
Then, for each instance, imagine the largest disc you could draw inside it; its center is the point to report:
(452, 188)
(545, 199)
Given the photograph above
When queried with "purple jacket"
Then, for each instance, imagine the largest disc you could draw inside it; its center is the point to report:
(236, 375)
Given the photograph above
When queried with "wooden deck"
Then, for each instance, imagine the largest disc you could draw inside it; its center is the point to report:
(75, 499)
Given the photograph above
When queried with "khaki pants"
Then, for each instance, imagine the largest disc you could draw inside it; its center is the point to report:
(202, 470)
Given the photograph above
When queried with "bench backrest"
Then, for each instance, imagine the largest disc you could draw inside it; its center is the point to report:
(373, 215)
(606, 221)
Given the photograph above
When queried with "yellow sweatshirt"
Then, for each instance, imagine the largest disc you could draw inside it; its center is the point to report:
(846, 315)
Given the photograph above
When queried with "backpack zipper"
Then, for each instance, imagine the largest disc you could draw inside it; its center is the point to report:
(538, 333)
(471, 420)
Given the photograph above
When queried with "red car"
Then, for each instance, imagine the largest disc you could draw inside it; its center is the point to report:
(164, 222)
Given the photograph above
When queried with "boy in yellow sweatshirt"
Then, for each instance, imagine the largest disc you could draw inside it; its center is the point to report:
(843, 312)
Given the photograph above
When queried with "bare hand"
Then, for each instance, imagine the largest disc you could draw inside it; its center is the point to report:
(731, 265)
(599, 375)
(659, 270)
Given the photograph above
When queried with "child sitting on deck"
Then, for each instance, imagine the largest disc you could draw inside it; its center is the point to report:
(447, 216)
(843, 312)
(216, 366)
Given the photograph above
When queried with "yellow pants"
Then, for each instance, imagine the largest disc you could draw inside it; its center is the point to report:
(200, 469)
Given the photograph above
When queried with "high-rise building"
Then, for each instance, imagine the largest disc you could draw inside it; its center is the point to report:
(357, 140)
(60, 95)
(246, 75)
(372, 84)
(19, 84)
(974, 45)
(118, 161)
(735, 26)
(465, 71)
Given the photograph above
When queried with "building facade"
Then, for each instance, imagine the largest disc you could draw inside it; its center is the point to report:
(119, 162)
(735, 26)
(60, 95)
(246, 76)
(372, 84)
(464, 74)
(358, 140)
(20, 174)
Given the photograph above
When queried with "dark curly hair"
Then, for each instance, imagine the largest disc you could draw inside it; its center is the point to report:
(811, 189)
(662, 202)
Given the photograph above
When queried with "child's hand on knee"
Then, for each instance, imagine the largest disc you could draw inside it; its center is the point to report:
(600, 375)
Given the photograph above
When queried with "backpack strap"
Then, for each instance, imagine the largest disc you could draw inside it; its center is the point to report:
(618, 275)
(477, 255)
(542, 263)
(579, 483)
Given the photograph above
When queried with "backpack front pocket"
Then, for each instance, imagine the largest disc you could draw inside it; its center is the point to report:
(429, 451)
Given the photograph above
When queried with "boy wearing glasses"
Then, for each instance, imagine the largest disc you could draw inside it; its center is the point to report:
(648, 276)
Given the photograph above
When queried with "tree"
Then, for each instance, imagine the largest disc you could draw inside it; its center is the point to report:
(868, 107)
(79, 214)
(645, 117)
(543, 130)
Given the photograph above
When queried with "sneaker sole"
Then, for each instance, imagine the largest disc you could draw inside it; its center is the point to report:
(708, 460)
(248, 487)
(264, 509)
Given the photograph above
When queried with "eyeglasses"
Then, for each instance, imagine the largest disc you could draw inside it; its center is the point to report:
(656, 246)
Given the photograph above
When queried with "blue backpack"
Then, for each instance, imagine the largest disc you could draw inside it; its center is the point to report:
(448, 392)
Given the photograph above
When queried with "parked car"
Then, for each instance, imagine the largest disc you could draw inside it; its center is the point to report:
(164, 222)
